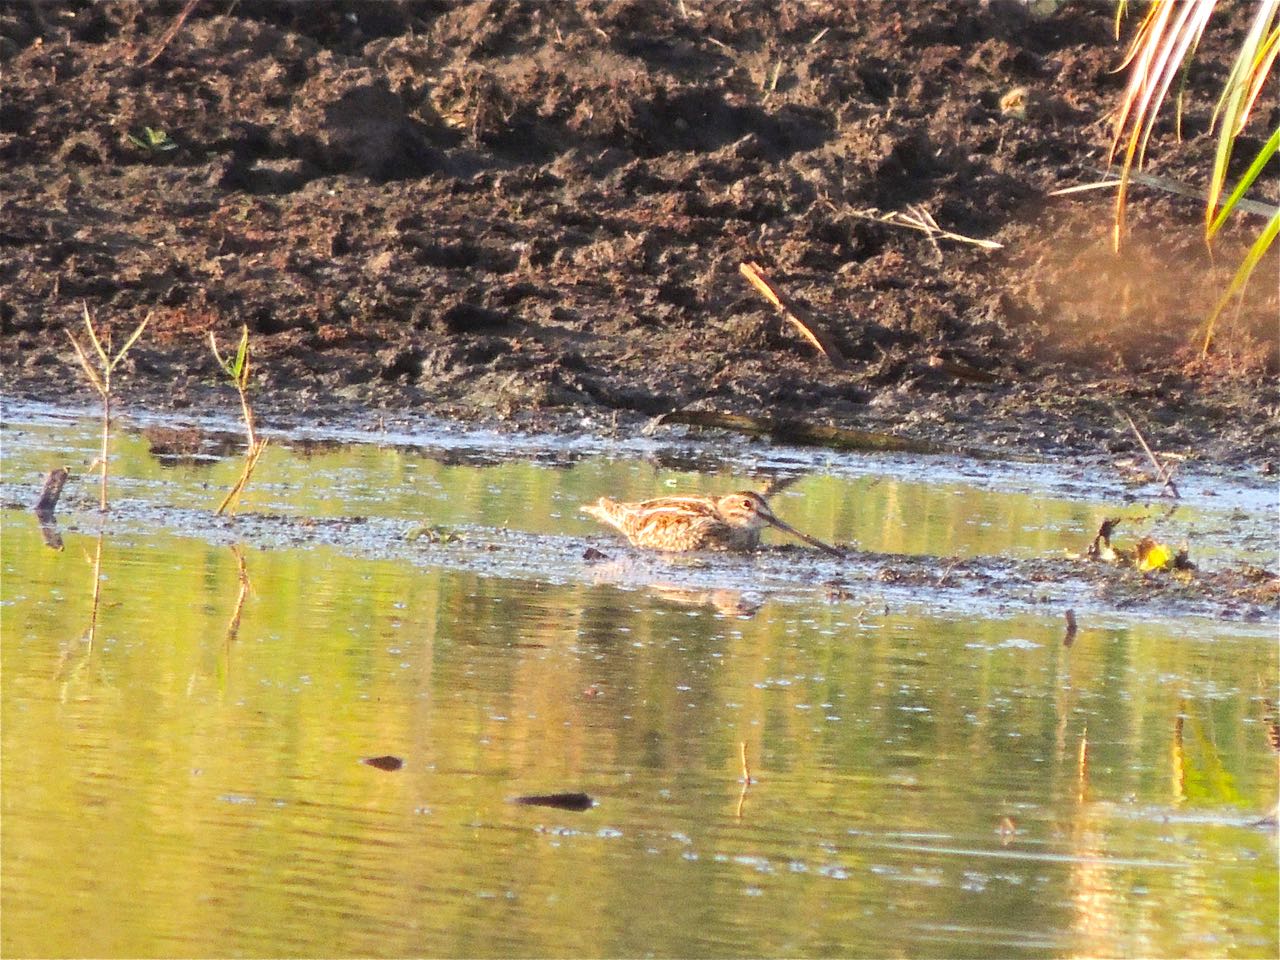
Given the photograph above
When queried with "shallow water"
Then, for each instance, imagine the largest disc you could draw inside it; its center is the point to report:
(188, 781)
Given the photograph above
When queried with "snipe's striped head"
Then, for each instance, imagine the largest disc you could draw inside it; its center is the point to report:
(752, 511)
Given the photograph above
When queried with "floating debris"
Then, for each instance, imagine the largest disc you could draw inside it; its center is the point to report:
(837, 590)
(1147, 554)
(1101, 548)
(47, 505)
(387, 762)
(1152, 555)
(48, 502)
(432, 533)
(560, 801)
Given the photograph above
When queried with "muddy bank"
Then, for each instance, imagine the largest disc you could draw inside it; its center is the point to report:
(536, 213)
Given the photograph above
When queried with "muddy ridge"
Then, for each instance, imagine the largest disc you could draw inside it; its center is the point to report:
(537, 212)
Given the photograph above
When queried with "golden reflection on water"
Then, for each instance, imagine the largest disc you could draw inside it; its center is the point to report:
(183, 770)
(191, 782)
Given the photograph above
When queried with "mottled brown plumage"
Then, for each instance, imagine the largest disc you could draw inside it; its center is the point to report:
(731, 522)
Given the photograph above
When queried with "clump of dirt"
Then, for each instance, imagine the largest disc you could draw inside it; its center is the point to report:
(537, 211)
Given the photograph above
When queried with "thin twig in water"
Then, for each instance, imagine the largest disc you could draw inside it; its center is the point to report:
(1082, 767)
(947, 572)
(1164, 474)
(246, 587)
(746, 778)
(250, 464)
(97, 592)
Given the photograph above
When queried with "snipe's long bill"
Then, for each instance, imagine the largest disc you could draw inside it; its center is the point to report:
(732, 522)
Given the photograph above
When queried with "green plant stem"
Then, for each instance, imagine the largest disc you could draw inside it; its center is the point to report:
(1255, 254)
(232, 499)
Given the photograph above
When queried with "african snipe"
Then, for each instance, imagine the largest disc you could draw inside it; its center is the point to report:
(731, 522)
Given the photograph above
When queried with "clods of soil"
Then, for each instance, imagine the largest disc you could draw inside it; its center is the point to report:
(538, 212)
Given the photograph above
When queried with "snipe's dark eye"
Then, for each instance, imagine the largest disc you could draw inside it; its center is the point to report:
(748, 504)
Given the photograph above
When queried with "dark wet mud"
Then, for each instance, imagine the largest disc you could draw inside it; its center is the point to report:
(536, 214)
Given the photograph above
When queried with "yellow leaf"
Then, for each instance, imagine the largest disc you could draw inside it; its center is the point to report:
(1153, 555)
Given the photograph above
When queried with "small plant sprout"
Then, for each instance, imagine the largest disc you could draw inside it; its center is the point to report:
(152, 141)
(237, 370)
(100, 380)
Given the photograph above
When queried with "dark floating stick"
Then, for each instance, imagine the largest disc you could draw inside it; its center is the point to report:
(387, 762)
(1102, 539)
(47, 505)
(50, 534)
(560, 801)
(1069, 637)
(48, 502)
